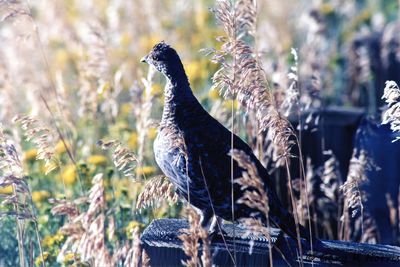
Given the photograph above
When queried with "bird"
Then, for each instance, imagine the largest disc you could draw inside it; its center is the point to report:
(193, 150)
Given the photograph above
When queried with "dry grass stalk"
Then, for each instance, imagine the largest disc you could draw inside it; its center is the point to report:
(242, 76)
(135, 252)
(155, 190)
(11, 9)
(241, 73)
(392, 114)
(397, 230)
(394, 217)
(191, 237)
(86, 232)
(331, 178)
(92, 244)
(136, 256)
(254, 196)
(124, 159)
(64, 207)
(97, 63)
(371, 232)
(99, 86)
(145, 259)
(143, 112)
(330, 202)
(292, 93)
(353, 195)
(12, 174)
(42, 137)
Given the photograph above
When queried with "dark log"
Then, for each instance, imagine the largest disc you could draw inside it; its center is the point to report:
(160, 241)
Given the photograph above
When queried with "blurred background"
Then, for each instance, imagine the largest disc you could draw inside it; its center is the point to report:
(75, 66)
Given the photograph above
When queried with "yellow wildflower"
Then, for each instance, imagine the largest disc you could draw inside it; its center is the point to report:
(152, 133)
(131, 227)
(145, 170)
(161, 211)
(39, 196)
(193, 71)
(156, 89)
(109, 196)
(213, 94)
(51, 240)
(43, 219)
(132, 141)
(38, 260)
(49, 167)
(69, 174)
(48, 241)
(98, 160)
(71, 258)
(30, 155)
(58, 237)
(6, 190)
(126, 109)
(228, 104)
(60, 148)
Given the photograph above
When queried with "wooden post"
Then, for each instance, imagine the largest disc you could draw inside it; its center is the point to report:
(161, 242)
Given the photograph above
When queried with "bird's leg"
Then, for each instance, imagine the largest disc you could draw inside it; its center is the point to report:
(213, 224)
(206, 219)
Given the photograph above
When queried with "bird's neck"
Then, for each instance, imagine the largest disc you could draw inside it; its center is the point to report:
(179, 101)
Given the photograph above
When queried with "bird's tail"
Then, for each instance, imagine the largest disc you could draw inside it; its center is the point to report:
(287, 224)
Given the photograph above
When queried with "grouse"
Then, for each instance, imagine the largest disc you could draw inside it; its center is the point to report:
(192, 149)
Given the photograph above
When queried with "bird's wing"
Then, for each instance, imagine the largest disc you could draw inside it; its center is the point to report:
(210, 144)
(213, 142)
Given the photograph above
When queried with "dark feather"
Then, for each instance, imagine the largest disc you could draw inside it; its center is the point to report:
(192, 149)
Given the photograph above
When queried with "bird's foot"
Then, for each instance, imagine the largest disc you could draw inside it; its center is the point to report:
(216, 234)
(215, 229)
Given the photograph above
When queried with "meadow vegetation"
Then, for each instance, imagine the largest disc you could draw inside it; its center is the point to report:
(79, 114)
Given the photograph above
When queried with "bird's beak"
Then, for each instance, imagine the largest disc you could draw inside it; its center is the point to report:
(144, 59)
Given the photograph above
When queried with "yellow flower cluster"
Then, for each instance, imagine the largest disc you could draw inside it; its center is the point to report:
(145, 170)
(51, 240)
(152, 133)
(60, 148)
(30, 155)
(40, 196)
(69, 174)
(214, 94)
(132, 225)
(156, 89)
(197, 71)
(72, 258)
(126, 109)
(98, 160)
(38, 260)
(6, 190)
(132, 141)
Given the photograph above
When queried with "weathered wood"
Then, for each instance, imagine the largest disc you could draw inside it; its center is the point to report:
(161, 242)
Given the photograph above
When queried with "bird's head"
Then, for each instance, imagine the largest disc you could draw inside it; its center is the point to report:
(164, 59)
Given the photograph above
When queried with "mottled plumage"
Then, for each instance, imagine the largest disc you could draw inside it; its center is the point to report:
(192, 149)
